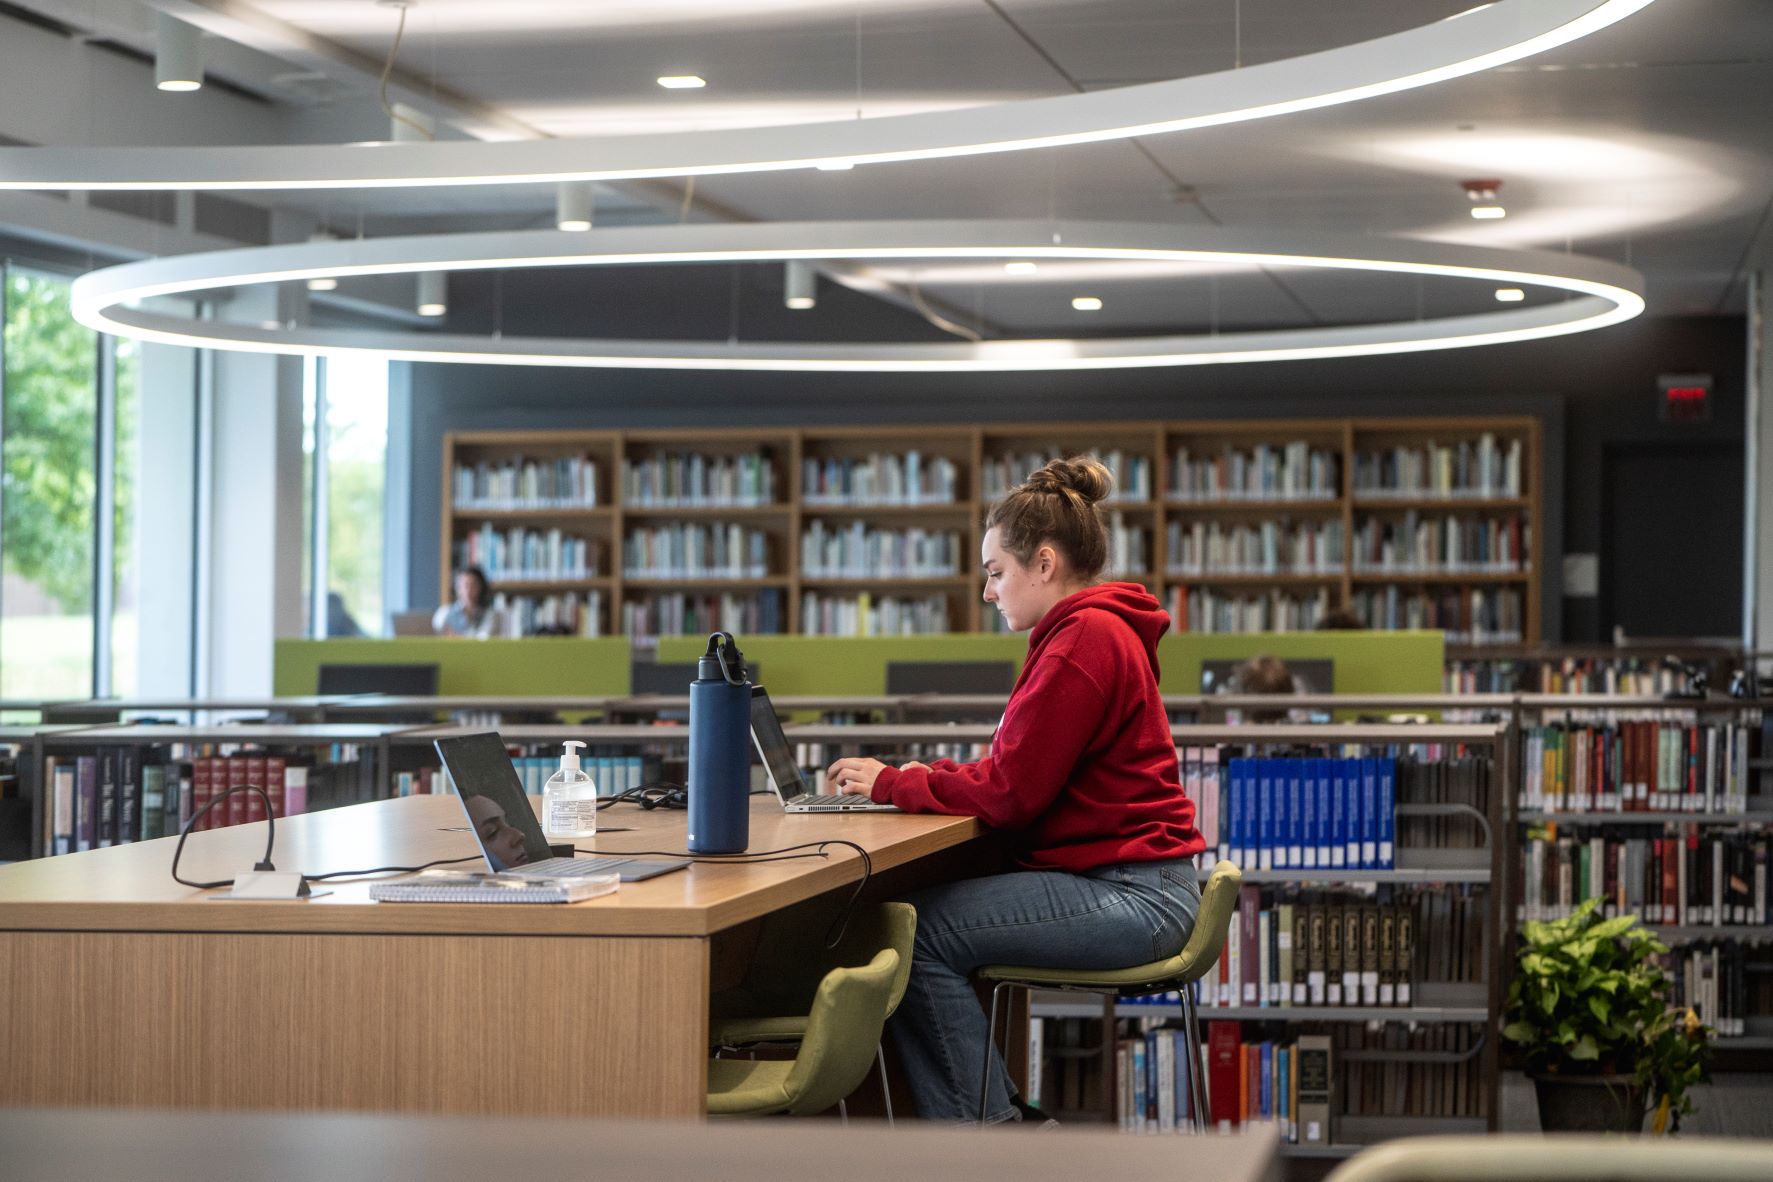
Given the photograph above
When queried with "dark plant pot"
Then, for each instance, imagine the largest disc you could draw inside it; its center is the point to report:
(1589, 1103)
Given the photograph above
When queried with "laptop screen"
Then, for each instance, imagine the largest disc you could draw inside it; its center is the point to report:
(773, 747)
(498, 812)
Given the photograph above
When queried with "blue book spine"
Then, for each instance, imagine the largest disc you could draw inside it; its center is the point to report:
(1267, 1081)
(1179, 1056)
(1308, 815)
(1369, 831)
(1343, 805)
(1297, 785)
(1137, 1110)
(1326, 788)
(1265, 814)
(1283, 1077)
(1231, 810)
(1387, 810)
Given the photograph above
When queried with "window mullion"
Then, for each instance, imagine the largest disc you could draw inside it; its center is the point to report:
(104, 512)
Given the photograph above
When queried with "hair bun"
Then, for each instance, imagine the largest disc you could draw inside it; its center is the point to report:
(1089, 478)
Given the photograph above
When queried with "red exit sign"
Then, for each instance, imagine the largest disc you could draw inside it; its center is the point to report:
(1684, 398)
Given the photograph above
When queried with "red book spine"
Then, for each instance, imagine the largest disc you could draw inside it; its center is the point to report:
(234, 773)
(275, 768)
(202, 791)
(1671, 879)
(255, 777)
(1224, 1064)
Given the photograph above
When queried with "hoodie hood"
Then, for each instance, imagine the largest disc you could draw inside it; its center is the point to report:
(1129, 602)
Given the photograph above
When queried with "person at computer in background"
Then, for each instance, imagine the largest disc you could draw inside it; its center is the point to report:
(472, 613)
(504, 841)
(1082, 772)
(1264, 674)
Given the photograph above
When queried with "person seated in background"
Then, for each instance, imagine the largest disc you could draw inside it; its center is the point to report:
(1264, 674)
(472, 613)
(1341, 619)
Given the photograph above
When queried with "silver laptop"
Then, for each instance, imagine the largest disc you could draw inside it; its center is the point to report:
(784, 775)
(510, 836)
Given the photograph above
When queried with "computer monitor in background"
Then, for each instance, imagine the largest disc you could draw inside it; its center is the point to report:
(400, 680)
(950, 677)
(673, 677)
(1311, 675)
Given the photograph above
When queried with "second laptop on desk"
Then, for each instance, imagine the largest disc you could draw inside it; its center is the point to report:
(506, 827)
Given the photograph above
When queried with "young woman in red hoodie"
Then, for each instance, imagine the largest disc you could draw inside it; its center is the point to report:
(1082, 774)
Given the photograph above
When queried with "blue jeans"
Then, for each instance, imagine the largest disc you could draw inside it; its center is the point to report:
(1112, 917)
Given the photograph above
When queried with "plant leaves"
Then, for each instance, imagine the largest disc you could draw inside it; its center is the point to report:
(1585, 1049)
(1598, 1006)
(1520, 1032)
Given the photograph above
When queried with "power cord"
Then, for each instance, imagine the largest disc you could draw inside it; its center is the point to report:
(659, 794)
(270, 843)
(834, 934)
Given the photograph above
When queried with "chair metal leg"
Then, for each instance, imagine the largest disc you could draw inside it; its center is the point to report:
(1199, 1106)
(843, 1113)
(886, 1091)
(990, 1049)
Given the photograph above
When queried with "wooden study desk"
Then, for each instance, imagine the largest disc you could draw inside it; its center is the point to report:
(123, 988)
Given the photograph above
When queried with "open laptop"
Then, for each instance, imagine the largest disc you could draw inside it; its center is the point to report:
(506, 827)
(784, 776)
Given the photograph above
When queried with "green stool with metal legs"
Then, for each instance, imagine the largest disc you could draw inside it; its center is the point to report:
(773, 1003)
(837, 1049)
(1218, 903)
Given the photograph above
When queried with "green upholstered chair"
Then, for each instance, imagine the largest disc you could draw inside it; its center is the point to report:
(787, 968)
(837, 1050)
(1218, 903)
(1560, 1157)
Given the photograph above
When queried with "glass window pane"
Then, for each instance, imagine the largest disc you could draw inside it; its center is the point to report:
(49, 427)
(125, 561)
(356, 465)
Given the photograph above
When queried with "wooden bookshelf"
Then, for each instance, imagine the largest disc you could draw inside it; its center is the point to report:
(984, 460)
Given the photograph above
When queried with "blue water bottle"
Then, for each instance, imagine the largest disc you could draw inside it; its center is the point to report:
(720, 751)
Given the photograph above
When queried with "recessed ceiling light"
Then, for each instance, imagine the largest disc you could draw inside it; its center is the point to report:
(1510, 295)
(1488, 213)
(682, 81)
(1087, 303)
(323, 283)
(1020, 267)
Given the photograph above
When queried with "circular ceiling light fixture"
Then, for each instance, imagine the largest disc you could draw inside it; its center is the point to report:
(1464, 44)
(1601, 293)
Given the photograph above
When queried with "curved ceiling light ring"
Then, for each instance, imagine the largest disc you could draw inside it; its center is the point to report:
(1474, 41)
(1601, 293)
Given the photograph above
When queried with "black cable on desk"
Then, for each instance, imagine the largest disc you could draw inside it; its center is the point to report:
(839, 926)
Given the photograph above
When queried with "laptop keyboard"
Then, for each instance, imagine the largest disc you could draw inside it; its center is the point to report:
(573, 867)
(832, 801)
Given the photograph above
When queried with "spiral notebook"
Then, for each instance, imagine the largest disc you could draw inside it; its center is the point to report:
(456, 887)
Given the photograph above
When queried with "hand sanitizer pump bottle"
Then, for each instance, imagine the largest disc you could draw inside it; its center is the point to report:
(569, 799)
(719, 751)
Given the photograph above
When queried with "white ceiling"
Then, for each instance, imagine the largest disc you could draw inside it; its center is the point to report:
(1651, 141)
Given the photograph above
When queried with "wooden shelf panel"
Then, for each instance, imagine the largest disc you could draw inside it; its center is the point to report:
(1367, 576)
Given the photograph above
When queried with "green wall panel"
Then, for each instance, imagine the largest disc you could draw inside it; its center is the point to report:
(550, 665)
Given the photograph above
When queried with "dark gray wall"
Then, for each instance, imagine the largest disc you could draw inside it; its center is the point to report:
(1591, 391)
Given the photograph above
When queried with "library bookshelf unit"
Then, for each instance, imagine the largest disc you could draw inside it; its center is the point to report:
(1259, 525)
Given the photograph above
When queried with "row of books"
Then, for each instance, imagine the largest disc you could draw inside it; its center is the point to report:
(534, 555)
(1298, 812)
(860, 551)
(1484, 467)
(880, 479)
(1449, 544)
(1623, 764)
(1569, 675)
(1690, 879)
(674, 479)
(1203, 609)
(1129, 547)
(1468, 615)
(1132, 472)
(558, 482)
(1314, 949)
(863, 614)
(682, 613)
(696, 550)
(1267, 472)
(115, 795)
(563, 613)
(1713, 977)
(1267, 548)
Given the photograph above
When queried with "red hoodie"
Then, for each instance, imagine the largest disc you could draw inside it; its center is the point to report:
(1082, 766)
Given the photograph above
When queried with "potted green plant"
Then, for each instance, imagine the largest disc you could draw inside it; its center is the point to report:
(1588, 1008)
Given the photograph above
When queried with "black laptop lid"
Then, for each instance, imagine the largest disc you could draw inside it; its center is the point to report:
(498, 812)
(773, 747)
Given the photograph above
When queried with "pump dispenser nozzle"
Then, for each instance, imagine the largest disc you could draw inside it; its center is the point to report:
(569, 759)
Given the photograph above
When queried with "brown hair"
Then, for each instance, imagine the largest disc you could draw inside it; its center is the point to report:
(1057, 506)
(1264, 674)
